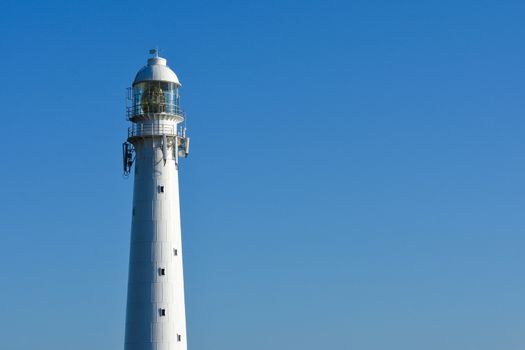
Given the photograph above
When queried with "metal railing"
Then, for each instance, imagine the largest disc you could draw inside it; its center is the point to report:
(163, 109)
(140, 130)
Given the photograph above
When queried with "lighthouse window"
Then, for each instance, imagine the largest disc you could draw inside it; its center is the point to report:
(155, 97)
(175, 252)
(162, 272)
(163, 312)
(179, 337)
(161, 189)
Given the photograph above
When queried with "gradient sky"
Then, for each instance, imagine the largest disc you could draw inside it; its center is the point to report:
(356, 177)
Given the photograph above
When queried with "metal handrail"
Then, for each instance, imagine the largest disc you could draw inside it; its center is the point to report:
(168, 109)
(137, 130)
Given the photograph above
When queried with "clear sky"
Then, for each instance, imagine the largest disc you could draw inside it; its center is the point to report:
(356, 177)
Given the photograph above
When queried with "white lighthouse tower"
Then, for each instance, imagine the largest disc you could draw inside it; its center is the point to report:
(155, 314)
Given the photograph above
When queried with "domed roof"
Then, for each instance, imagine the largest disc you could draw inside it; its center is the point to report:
(156, 70)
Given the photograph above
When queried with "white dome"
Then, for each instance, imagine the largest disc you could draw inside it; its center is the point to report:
(156, 70)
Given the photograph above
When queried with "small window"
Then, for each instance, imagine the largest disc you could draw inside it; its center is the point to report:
(162, 312)
(161, 189)
(175, 252)
(162, 271)
(179, 337)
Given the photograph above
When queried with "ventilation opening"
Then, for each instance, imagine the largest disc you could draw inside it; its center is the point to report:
(162, 312)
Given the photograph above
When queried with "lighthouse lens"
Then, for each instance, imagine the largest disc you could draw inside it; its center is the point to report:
(155, 97)
(153, 100)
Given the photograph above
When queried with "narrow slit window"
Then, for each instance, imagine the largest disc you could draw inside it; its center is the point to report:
(179, 337)
(163, 312)
(175, 252)
(162, 271)
(161, 189)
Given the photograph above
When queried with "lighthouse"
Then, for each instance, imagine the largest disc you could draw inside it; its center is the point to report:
(157, 141)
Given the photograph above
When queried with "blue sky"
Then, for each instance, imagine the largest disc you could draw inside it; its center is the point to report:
(356, 178)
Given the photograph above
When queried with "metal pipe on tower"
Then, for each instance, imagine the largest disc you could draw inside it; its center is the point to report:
(155, 311)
